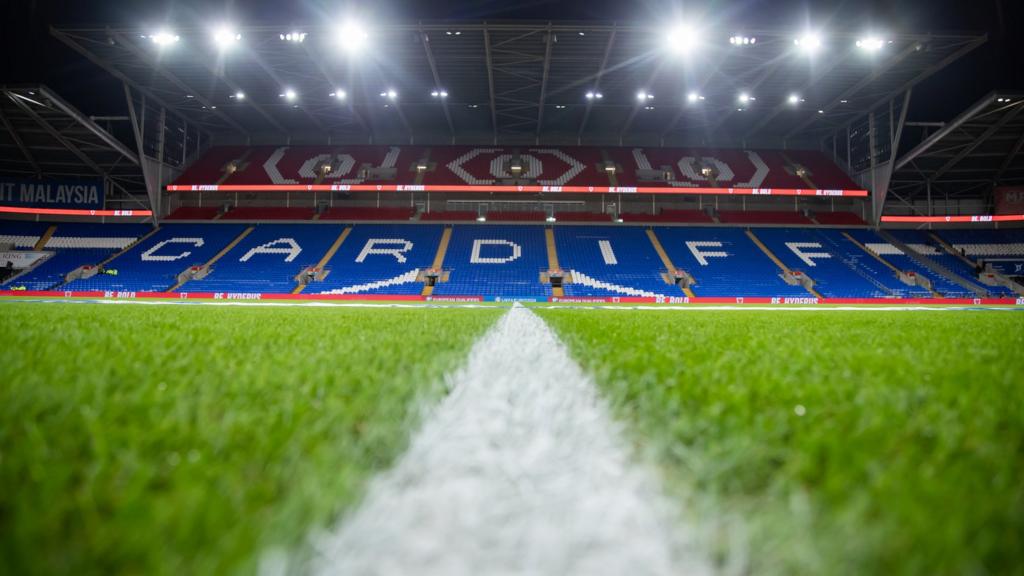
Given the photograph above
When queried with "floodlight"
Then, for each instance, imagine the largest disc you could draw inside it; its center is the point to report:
(794, 99)
(290, 95)
(164, 38)
(808, 43)
(744, 98)
(351, 37)
(339, 94)
(549, 219)
(681, 39)
(294, 37)
(439, 94)
(594, 95)
(225, 37)
(871, 43)
(644, 96)
(239, 95)
(693, 97)
(389, 94)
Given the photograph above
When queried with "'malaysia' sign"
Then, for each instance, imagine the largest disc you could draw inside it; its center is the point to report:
(84, 194)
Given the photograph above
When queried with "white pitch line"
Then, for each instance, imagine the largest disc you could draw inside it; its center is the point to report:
(520, 470)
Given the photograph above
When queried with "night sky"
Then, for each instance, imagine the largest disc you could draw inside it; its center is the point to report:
(30, 55)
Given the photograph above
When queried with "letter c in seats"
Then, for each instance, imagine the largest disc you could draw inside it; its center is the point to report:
(148, 256)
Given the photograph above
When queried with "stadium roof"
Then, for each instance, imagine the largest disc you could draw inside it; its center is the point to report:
(42, 135)
(976, 150)
(512, 82)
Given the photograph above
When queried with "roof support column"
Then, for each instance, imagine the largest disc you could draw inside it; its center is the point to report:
(148, 176)
(881, 172)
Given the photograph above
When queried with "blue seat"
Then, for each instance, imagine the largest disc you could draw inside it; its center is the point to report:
(622, 260)
(381, 259)
(268, 259)
(725, 262)
(154, 264)
(507, 265)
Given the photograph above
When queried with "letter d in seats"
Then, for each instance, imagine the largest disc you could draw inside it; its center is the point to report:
(475, 258)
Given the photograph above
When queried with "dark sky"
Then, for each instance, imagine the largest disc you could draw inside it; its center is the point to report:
(29, 55)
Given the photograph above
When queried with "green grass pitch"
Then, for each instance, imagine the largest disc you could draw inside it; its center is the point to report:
(185, 439)
(166, 439)
(828, 442)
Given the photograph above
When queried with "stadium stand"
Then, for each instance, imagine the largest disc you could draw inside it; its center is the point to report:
(449, 216)
(496, 261)
(512, 216)
(75, 245)
(1003, 250)
(610, 261)
(582, 217)
(910, 263)
(598, 261)
(669, 216)
(369, 214)
(380, 259)
(154, 264)
(21, 234)
(762, 217)
(930, 248)
(725, 262)
(802, 249)
(194, 213)
(550, 166)
(267, 260)
(870, 267)
(839, 219)
(255, 213)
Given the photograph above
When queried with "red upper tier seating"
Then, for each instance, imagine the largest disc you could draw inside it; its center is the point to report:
(762, 217)
(685, 216)
(516, 216)
(489, 165)
(674, 216)
(582, 217)
(839, 219)
(268, 213)
(450, 216)
(364, 213)
(194, 213)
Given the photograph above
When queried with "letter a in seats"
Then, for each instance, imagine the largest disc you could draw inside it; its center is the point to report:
(475, 257)
(398, 253)
(291, 248)
(148, 255)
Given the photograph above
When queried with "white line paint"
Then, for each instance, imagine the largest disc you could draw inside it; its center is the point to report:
(520, 470)
(557, 306)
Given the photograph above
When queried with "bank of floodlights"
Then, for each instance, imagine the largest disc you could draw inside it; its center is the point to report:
(809, 43)
(682, 39)
(351, 37)
(226, 37)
